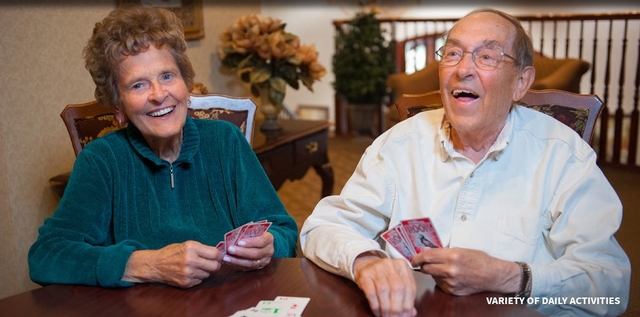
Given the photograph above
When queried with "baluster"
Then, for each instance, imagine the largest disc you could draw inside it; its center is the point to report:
(542, 37)
(581, 41)
(566, 41)
(617, 139)
(633, 130)
(604, 116)
(607, 79)
(554, 38)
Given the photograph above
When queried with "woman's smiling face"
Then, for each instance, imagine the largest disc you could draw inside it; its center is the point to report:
(153, 93)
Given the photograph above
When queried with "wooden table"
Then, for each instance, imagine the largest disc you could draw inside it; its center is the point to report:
(302, 144)
(227, 292)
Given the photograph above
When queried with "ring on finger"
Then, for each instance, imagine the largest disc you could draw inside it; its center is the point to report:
(256, 264)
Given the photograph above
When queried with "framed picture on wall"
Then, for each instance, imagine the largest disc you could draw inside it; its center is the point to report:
(313, 112)
(189, 11)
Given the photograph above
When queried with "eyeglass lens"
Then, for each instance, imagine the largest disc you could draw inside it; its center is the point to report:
(485, 57)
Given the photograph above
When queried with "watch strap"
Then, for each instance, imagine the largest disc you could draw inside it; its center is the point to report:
(525, 286)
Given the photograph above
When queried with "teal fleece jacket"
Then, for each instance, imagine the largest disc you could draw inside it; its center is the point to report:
(119, 199)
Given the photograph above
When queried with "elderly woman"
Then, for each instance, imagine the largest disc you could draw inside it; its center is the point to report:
(149, 203)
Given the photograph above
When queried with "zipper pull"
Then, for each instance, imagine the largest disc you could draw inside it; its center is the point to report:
(171, 174)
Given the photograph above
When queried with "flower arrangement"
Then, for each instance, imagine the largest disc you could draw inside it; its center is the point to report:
(267, 57)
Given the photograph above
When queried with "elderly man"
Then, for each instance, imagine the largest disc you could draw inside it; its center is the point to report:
(516, 197)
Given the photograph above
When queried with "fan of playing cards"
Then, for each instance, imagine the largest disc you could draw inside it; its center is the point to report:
(410, 236)
(248, 230)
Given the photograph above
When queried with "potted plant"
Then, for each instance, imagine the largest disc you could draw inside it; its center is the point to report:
(362, 61)
(264, 55)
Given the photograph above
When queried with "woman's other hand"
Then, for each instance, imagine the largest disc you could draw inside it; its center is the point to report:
(181, 264)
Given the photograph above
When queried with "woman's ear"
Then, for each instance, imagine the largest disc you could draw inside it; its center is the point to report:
(524, 82)
(121, 117)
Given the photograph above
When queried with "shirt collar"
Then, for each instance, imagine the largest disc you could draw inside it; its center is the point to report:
(190, 143)
(446, 146)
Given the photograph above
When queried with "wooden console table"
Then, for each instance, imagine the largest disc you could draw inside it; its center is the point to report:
(302, 144)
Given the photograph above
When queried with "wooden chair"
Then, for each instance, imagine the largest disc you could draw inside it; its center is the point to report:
(240, 111)
(578, 111)
(88, 121)
(410, 104)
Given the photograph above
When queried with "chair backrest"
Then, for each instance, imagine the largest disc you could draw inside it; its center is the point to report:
(88, 121)
(240, 111)
(410, 104)
(578, 111)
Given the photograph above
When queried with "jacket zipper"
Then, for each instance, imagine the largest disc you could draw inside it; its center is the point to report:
(171, 174)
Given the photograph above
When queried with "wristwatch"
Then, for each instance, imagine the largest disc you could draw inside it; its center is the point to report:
(525, 286)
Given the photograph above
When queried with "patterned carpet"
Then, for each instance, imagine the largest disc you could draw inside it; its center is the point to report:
(301, 196)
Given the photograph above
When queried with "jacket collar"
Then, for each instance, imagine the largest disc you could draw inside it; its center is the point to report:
(190, 143)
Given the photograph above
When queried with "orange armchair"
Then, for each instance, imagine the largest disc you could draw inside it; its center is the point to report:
(561, 74)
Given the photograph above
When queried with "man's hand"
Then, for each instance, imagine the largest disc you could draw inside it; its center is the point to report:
(466, 271)
(181, 264)
(251, 253)
(388, 284)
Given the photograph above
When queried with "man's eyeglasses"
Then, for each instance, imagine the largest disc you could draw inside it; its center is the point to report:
(485, 57)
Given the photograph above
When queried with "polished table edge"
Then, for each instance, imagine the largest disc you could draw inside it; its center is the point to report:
(310, 127)
(228, 291)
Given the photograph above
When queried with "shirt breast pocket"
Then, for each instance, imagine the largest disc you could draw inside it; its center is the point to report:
(517, 237)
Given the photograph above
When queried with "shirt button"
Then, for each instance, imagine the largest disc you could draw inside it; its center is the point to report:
(463, 217)
(471, 175)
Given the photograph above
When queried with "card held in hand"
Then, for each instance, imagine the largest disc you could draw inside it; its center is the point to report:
(253, 230)
(248, 230)
(411, 236)
(396, 238)
(421, 234)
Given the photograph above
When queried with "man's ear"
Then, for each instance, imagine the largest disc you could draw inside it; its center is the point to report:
(524, 82)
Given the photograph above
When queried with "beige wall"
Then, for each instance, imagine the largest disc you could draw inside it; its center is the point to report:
(41, 71)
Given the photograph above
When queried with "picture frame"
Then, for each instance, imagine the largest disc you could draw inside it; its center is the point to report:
(313, 112)
(189, 11)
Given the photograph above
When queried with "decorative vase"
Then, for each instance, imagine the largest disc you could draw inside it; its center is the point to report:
(270, 110)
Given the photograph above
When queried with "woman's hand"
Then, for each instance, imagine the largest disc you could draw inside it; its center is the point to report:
(251, 253)
(181, 264)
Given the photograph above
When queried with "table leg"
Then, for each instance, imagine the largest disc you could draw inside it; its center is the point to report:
(325, 171)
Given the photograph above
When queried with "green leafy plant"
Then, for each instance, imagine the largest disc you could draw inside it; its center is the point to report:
(362, 60)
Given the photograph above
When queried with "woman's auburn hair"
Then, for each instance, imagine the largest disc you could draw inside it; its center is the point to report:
(130, 30)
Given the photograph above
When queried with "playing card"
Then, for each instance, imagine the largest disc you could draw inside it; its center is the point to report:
(421, 234)
(222, 247)
(253, 230)
(297, 304)
(274, 308)
(252, 312)
(231, 237)
(395, 237)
